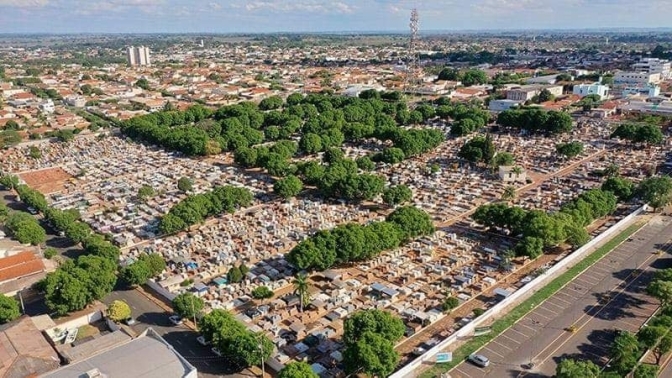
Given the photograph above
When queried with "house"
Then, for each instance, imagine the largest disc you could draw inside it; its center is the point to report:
(24, 351)
(501, 105)
(19, 271)
(584, 90)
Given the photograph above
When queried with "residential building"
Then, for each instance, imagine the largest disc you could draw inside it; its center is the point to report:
(76, 101)
(19, 271)
(24, 351)
(47, 107)
(147, 356)
(584, 90)
(546, 79)
(636, 78)
(501, 105)
(527, 92)
(138, 56)
(650, 90)
(654, 65)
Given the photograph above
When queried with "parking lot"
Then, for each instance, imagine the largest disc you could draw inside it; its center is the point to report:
(607, 296)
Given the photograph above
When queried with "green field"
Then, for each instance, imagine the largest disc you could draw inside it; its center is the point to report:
(528, 305)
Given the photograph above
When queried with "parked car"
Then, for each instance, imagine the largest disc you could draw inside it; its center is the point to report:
(201, 340)
(419, 351)
(130, 321)
(32, 210)
(176, 320)
(479, 360)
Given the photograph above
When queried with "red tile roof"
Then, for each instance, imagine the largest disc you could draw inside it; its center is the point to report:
(20, 265)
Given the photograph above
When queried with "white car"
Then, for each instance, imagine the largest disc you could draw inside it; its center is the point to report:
(201, 340)
(130, 321)
(479, 360)
(176, 320)
(216, 351)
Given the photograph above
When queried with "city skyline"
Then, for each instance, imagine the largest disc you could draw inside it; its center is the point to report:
(267, 16)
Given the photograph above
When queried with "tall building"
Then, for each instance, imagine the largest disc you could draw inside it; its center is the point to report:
(654, 65)
(138, 56)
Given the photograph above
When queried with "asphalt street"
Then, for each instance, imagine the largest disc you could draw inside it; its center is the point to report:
(183, 339)
(606, 297)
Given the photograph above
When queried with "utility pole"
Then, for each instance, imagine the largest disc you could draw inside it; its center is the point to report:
(193, 311)
(261, 351)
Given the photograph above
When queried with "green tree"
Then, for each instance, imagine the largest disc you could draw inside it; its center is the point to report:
(9, 309)
(391, 155)
(531, 247)
(155, 263)
(188, 305)
(372, 354)
(262, 293)
(311, 143)
(142, 83)
(50, 252)
(288, 187)
(118, 311)
(297, 370)
(35, 152)
(9, 138)
(449, 304)
(301, 289)
(365, 163)
(509, 193)
(646, 371)
(412, 222)
(569, 150)
(185, 184)
(656, 191)
(662, 290)
(473, 77)
(569, 368)
(135, 274)
(379, 322)
(664, 346)
(650, 337)
(545, 95)
(396, 195)
(234, 275)
(100, 273)
(145, 192)
(9, 181)
(502, 159)
(65, 292)
(625, 347)
(621, 187)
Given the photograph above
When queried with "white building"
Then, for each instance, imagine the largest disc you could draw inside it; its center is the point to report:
(502, 105)
(138, 56)
(636, 78)
(654, 65)
(47, 106)
(527, 92)
(584, 90)
(508, 174)
(650, 90)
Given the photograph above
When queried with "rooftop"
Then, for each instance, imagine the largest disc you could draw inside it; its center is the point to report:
(147, 356)
(24, 351)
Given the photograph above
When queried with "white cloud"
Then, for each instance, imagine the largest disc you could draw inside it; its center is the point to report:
(309, 6)
(24, 3)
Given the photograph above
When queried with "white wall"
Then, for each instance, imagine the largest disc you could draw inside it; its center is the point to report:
(518, 296)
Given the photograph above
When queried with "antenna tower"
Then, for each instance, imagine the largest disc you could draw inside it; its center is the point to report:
(412, 65)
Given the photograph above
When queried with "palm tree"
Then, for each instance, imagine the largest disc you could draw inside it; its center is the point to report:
(301, 287)
(516, 170)
(509, 193)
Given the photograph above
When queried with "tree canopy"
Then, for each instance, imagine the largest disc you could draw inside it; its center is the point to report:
(639, 133)
(118, 311)
(569, 150)
(9, 309)
(655, 191)
(536, 120)
(187, 305)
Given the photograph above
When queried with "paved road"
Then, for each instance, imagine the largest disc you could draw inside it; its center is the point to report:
(605, 297)
(149, 314)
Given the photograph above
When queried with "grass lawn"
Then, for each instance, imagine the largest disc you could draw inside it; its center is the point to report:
(86, 331)
(528, 305)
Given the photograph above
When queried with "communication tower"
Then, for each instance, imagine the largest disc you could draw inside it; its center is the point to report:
(412, 64)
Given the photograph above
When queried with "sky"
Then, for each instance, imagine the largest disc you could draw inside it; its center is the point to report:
(262, 16)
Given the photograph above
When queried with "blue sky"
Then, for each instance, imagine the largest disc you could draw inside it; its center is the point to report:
(244, 16)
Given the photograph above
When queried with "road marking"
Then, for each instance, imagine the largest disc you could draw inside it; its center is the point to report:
(555, 304)
(192, 352)
(178, 341)
(502, 345)
(516, 331)
(560, 299)
(206, 363)
(510, 338)
(592, 316)
(492, 351)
